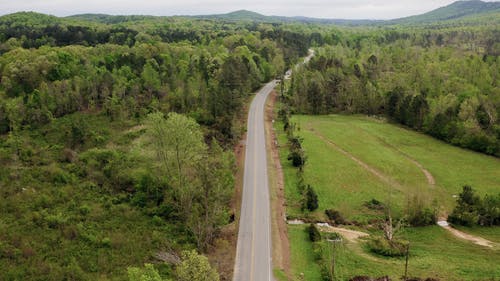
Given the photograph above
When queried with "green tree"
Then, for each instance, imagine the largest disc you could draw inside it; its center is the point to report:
(209, 212)
(195, 267)
(311, 199)
(178, 142)
(150, 76)
(148, 273)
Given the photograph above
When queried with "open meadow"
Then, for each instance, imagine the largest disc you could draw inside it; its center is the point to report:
(354, 159)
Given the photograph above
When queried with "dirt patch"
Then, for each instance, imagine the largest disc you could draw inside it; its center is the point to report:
(281, 246)
(469, 237)
(348, 234)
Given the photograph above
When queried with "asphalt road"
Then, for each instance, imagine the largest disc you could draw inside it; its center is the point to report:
(253, 253)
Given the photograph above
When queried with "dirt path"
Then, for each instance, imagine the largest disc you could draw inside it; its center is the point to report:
(430, 178)
(364, 165)
(462, 235)
(348, 234)
(352, 237)
(281, 245)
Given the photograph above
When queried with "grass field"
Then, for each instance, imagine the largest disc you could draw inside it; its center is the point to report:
(343, 184)
(393, 159)
(434, 253)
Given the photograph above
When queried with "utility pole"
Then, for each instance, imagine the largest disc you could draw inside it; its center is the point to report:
(406, 262)
(334, 248)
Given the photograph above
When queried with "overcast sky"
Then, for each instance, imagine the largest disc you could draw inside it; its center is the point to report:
(346, 9)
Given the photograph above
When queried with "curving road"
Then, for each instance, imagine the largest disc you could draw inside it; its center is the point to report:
(253, 252)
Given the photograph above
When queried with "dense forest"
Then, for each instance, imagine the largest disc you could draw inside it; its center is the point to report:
(444, 81)
(116, 137)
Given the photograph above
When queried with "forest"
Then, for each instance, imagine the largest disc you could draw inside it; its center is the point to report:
(130, 119)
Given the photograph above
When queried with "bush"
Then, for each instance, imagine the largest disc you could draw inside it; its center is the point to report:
(384, 247)
(332, 236)
(335, 216)
(471, 210)
(297, 157)
(461, 217)
(422, 217)
(374, 204)
(419, 214)
(311, 199)
(314, 234)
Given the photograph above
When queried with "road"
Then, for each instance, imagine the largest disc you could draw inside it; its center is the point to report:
(253, 253)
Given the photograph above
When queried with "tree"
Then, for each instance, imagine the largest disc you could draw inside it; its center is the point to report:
(148, 273)
(179, 145)
(216, 180)
(314, 234)
(466, 211)
(311, 199)
(195, 267)
(150, 76)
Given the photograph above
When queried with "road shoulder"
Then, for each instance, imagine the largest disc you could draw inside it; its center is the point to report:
(281, 247)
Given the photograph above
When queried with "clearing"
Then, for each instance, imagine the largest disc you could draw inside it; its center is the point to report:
(353, 159)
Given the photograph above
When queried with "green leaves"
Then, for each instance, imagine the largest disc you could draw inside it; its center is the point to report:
(195, 267)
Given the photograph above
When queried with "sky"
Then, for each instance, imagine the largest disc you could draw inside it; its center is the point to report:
(340, 9)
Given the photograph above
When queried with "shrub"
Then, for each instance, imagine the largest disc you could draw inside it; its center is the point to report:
(297, 157)
(384, 247)
(421, 215)
(335, 216)
(462, 217)
(314, 234)
(55, 221)
(106, 242)
(332, 236)
(84, 210)
(311, 200)
(374, 204)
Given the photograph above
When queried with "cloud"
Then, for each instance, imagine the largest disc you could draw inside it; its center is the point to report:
(354, 9)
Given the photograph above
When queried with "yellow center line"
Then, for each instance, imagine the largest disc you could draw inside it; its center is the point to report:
(254, 194)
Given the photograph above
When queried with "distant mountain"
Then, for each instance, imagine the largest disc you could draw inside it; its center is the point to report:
(245, 15)
(454, 11)
(28, 18)
(237, 15)
(109, 19)
(470, 10)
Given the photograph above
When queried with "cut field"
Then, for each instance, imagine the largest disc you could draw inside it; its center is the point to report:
(434, 253)
(353, 159)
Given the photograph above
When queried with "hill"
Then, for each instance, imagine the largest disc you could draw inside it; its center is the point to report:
(473, 9)
(244, 15)
(454, 11)
(110, 19)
